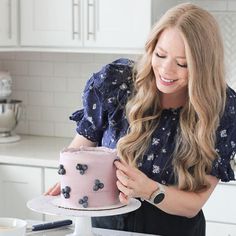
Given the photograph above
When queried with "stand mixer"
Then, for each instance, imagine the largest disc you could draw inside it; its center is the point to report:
(9, 110)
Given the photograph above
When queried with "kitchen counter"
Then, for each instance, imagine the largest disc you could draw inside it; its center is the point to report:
(70, 229)
(40, 151)
(98, 232)
(33, 151)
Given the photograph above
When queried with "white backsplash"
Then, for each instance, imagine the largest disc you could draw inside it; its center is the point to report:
(51, 84)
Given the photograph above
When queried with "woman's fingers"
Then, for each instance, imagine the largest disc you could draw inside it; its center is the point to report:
(56, 191)
(131, 181)
(123, 198)
(129, 192)
(124, 179)
(121, 165)
(128, 170)
(53, 191)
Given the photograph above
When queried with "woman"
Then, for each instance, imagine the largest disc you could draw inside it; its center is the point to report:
(172, 119)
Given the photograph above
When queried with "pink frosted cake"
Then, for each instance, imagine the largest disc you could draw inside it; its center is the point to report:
(88, 178)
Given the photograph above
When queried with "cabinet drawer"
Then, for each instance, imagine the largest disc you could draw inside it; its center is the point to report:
(18, 185)
(217, 229)
(221, 206)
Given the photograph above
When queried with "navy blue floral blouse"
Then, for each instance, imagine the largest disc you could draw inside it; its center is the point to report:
(103, 120)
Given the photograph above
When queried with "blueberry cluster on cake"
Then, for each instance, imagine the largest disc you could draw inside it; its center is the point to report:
(88, 178)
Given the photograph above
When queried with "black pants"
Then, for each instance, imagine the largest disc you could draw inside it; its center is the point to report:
(151, 220)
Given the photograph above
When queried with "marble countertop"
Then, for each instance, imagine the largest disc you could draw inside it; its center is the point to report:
(33, 151)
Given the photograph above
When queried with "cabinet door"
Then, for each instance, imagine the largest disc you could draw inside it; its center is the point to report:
(117, 24)
(51, 23)
(217, 229)
(51, 177)
(8, 22)
(18, 185)
(221, 207)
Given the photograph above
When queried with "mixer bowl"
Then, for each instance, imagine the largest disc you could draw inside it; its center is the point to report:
(9, 116)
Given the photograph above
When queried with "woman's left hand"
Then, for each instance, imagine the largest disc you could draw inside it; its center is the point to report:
(132, 182)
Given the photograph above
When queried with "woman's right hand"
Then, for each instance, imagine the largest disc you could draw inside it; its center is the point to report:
(54, 190)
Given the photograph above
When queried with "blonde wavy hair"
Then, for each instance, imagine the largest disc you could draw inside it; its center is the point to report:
(200, 116)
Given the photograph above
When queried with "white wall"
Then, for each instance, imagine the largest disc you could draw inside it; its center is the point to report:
(50, 84)
(225, 13)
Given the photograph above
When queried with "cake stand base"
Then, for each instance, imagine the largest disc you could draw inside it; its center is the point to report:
(83, 227)
(83, 224)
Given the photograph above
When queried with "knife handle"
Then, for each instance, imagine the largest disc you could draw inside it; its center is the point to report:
(51, 225)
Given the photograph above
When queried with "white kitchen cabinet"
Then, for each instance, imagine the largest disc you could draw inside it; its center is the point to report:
(51, 177)
(220, 211)
(19, 184)
(85, 23)
(117, 24)
(8, 22)
(50, 23)
(219, 229)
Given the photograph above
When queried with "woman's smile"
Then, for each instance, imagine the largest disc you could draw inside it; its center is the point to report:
(166, 81)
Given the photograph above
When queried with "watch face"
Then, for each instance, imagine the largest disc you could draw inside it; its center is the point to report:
(159, 198)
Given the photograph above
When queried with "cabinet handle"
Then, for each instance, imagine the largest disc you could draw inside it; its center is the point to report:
(94, 19)
(93, 31)
(9, 19)
(97, 15)
(79, 19)
(74, 32)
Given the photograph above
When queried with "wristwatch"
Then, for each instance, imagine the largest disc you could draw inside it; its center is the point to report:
(158, 195)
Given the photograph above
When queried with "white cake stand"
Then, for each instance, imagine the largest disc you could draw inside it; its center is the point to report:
(83, 226)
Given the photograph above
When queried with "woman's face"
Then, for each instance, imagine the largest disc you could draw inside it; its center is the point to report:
(169, 63)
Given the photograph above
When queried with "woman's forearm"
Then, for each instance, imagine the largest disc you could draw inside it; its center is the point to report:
(182, 203)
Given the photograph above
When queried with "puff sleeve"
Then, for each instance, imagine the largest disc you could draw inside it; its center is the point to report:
(93, 119)
(226, 140)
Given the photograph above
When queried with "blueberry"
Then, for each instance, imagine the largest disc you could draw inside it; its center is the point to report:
(81, 201)
(85, 204)
(101, 185)
(66, 195)
(84, 167)
(97, 181)
(78, 166)
(95, 188)
(85, 198)
(67, 189)
(81, 168)
(61, 171)
(63, 190)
